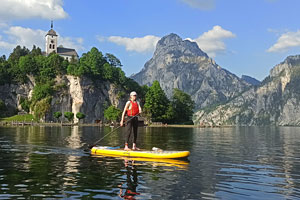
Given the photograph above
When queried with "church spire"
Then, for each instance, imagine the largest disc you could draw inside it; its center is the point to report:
(51, 24)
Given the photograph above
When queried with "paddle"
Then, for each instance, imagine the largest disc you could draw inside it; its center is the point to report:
(91, 146)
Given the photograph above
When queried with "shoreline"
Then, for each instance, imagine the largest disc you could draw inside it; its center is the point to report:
(26, 123)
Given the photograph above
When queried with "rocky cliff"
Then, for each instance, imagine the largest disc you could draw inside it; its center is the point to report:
(276, 101)
(71, 94)
(181, 64)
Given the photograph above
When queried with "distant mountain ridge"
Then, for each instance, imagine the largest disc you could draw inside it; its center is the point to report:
(275, 102)
(250, 80)
(181, 64)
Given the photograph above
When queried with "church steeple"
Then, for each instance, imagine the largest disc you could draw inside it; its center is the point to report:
(51, 40)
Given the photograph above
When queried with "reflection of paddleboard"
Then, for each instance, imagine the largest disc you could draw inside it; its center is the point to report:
(105, 150)
(182, 164)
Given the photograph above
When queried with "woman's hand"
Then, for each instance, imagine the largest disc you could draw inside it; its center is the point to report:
(121, 123)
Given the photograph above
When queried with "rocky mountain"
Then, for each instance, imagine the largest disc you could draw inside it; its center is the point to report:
(72, 94)
(276, 101)
(250, 80)
(181, 64)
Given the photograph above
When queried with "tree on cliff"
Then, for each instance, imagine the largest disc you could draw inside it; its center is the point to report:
(24, 65)
(113, 60)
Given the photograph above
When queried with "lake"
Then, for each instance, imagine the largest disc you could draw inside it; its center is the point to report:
(225, 163)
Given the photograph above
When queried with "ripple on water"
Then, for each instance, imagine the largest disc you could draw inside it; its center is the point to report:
(231, 163)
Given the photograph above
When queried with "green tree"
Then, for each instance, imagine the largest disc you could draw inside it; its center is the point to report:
(69, 116)
(80, 116)
(113, 60)
(112, 113)
(56, 62)
(41, 91)
(41, 107)
(156, 103)
(5, 72)
(27, 65)
(107, 72)
(2, 58)
(119, 76)
(25, 104)
(17, 53)
(170, 114)
(183, 106)
(57, 115)
(73, 69)
(91, 63)
(36, 51)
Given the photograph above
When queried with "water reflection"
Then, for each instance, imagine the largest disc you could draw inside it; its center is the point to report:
(225, 163)
(128, 190)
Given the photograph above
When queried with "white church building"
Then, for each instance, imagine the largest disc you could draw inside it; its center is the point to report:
(52, 46)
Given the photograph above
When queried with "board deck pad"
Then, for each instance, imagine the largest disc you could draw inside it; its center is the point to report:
(106, 150)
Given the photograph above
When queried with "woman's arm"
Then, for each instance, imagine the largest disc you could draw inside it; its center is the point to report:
(140, 108)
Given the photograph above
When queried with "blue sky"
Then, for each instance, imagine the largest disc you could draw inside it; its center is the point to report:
(243, 36)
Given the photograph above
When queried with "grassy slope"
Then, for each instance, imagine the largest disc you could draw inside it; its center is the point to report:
(27, 117)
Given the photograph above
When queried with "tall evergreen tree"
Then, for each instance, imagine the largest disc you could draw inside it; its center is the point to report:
(182, 105)
(156, 102)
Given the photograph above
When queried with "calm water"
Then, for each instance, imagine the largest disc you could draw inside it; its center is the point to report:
(227, 163)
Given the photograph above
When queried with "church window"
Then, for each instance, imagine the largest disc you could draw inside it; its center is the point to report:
(53, 46)
(50, 46)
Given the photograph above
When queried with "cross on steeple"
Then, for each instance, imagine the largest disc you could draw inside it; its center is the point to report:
(51, 24)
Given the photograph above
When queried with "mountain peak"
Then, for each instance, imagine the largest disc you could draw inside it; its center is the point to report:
(171, 39)
(172, 43)
(181, 64)
(293, 60)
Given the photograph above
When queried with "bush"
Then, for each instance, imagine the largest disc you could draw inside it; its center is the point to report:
(25, 104)
(42, 107)
(41, 91)
(80, 115)
(57, 114)
(112, 113)
(69, 116)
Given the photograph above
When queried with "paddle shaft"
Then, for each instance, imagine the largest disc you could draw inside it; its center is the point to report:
(91, 146)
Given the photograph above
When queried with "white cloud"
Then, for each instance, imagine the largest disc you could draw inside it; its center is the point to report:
(286, 41)
(212, 41)
(70, 42)
(200, 4)
(142, 44)
(3, 25)
(28, 37)
(24, 9)
(17, 35)
(101, 38)
(5, 45)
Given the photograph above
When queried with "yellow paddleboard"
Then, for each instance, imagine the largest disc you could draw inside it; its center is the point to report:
(105, 150)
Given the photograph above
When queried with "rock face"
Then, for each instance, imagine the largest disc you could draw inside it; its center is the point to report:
(86, 96)
(181, 64)
(72, 94)
(276, 101)
(11, 95)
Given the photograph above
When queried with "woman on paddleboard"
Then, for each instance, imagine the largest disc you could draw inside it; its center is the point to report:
(132, 109)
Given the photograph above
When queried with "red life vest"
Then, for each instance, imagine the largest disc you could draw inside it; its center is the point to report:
(134, 109)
